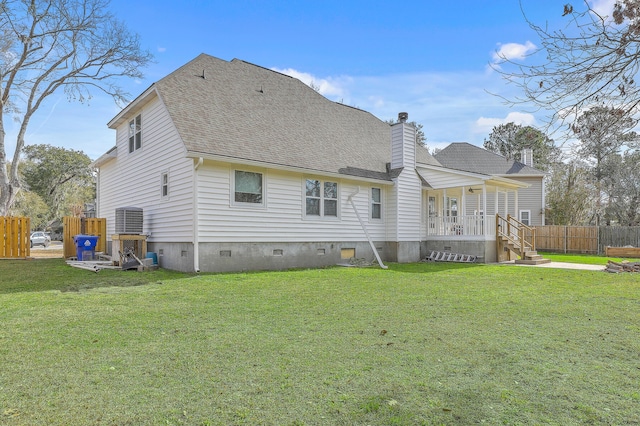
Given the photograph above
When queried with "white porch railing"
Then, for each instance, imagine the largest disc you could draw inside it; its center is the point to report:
(460, 226)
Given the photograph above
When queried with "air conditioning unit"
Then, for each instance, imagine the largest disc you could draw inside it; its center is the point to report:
(128, 220)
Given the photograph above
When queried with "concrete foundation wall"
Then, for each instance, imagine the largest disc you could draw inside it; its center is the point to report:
(404, 252)
(233, 257)
(175, 256)
(486, 250)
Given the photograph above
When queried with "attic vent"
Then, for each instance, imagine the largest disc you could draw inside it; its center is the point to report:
(128, 220)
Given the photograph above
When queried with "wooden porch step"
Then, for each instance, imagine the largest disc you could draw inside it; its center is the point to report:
(532, 258)
(532, 261)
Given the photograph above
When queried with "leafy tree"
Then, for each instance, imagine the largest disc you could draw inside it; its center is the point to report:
(603, 132)
(61, 177)
(569, 194)
(510, 139)
(52, 45)
(33, 206)
(593, 60)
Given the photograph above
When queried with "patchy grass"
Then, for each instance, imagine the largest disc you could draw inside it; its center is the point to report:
(54, 274)
(417, 344)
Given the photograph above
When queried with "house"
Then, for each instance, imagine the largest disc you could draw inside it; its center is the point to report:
(530, 200)
(239, 167)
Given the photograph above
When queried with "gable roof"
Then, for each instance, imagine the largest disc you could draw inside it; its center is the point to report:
(471, 158)
(244, 112)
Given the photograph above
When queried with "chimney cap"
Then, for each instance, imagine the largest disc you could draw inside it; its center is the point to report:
(403, 117)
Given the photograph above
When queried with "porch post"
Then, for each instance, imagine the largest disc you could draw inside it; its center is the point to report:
(463, 202)
(515, 203)
(444, 203)
(484, 207)
(495, 210)
(506, 203)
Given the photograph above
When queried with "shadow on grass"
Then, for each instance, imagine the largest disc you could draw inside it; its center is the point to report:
(430, 267)
(35, 275)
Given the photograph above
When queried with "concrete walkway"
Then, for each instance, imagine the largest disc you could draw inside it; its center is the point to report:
(563, 265)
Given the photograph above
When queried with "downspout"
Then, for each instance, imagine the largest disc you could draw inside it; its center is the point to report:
(196, 231)
(364, 228)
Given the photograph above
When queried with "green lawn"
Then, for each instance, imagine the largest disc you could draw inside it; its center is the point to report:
(590, 259)
(430, 343)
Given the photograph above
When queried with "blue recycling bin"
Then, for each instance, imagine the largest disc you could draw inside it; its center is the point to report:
(85, 246)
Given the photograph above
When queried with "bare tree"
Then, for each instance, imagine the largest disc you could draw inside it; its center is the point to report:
(51, 45)
(592, 61)
(623, 189)
(602, 132)
(570, 194)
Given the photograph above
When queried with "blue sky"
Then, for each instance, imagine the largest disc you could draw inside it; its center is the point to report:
(426, 57)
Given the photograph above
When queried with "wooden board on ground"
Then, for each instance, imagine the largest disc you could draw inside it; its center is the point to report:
(633, 252)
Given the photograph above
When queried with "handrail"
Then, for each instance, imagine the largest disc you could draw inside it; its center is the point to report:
(517, 236)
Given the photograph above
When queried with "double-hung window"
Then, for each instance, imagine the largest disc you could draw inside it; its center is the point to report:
(376, 203)
(321, 198)
(248, 187)
(135, 133)
(525, 217)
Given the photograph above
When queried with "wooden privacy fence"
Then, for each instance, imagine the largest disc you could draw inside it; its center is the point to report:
(15, 237)
(585, 239)
(567, 239)
(88, 226)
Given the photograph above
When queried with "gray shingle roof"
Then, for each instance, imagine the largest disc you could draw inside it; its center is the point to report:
(247, 112)
(470, 158)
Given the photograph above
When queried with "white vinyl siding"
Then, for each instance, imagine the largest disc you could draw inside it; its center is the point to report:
(408, 200)
(532, 198)
(132, 180)
(283, 218)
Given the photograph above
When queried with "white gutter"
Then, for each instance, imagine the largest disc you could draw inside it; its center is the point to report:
(196, 231)
(364, 228)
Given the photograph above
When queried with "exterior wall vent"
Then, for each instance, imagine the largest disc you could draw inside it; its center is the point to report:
(128, 220)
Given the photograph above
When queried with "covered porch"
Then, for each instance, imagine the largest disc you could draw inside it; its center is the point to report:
(460, 209)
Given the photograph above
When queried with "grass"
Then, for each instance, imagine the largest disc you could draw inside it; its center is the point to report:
(431, 344)
(589, 259)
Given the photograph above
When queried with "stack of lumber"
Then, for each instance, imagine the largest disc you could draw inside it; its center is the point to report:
(624, 266)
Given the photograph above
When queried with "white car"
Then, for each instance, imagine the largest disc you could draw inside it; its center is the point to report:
(40, 238)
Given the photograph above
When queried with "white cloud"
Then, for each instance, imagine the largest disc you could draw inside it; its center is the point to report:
(510, 51)
(327, 87)
(603, 8)
(485, 125)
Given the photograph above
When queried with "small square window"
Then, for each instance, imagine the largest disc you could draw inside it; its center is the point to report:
(248, 187)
